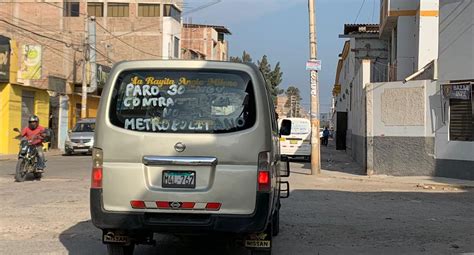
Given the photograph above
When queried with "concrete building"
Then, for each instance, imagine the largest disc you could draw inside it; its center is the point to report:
(362, 60)
(281, 108)
(454, 143)
(411, 29)
(386, 126)
(205, 42)
(415, 121)
(49, 37)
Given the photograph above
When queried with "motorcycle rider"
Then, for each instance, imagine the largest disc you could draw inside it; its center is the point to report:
(36, 134)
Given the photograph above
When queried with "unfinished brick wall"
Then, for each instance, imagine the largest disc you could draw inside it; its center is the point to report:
(142, 39)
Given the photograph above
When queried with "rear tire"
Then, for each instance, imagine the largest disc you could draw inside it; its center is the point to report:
(20, 173)
(115, 249)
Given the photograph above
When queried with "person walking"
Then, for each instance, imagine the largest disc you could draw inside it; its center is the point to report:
(326, 136)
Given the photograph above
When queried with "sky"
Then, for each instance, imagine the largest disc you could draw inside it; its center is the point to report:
(279, 29)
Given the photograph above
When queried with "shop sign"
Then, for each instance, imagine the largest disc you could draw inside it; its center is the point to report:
(457, 91)
(4, 58)
(30, 67)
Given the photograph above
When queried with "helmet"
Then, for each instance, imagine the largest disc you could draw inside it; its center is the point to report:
(33, 118)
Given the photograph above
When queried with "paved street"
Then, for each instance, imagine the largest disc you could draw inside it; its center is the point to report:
(338, 212)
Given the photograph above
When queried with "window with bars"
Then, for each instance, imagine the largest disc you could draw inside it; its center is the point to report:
(461, 120)
(171, 11)
(71, 9)
(148, 10)
(95, 9)
(117, 10)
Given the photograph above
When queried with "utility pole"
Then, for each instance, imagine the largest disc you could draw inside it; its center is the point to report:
(92, 54)
(89, 60)
(315, 140)
(84, 71)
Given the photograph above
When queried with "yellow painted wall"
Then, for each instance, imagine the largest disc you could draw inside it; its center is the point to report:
(10, 114)
(4, 116)
(92, 106)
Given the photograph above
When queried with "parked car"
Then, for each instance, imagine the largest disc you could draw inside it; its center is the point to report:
(81, 138)
(188, 148)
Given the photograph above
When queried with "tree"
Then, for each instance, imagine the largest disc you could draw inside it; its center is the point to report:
(273, 77)
(246, 58)
(276, 77)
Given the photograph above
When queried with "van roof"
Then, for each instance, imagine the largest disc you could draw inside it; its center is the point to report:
(183, 64)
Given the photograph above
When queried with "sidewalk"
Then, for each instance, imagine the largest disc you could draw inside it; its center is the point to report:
(5, 157)
(338, 164)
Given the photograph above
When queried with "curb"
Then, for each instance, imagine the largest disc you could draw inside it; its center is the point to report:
(15, 156)
(421, 184)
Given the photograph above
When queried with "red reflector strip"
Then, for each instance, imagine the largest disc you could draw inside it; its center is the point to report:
(163, 204)
(213, 206)
(187, 205)
(137, 204)
(96, 182)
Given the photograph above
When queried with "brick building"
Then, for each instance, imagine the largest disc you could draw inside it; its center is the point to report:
(204, 42)
(45, 49)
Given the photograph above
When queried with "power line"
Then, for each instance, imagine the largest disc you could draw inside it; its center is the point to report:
(55, 51)
(34, 24)
(126, 43)
(360, 9)
(38, 34)
(62, 8)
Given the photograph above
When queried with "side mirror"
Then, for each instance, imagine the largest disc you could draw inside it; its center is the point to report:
(16, 130)
(285, 128)
(285, 167)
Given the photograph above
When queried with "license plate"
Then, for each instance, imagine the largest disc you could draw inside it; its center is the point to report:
(179, 179)
(293, 142)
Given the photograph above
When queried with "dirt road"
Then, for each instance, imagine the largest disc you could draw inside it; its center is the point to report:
(325, 214)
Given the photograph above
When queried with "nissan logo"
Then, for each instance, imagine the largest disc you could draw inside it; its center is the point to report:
(175, 205)
(180, 147)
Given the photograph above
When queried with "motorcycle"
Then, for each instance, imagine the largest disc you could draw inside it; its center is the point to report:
(27, 160)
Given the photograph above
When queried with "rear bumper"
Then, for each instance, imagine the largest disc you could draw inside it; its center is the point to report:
(181, 222)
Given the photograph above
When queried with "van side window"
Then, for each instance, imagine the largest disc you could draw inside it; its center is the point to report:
(183, 101)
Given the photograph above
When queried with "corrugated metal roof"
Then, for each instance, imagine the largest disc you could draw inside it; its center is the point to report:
(361, 29)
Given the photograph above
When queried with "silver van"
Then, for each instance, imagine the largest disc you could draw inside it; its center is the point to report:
(187, 147)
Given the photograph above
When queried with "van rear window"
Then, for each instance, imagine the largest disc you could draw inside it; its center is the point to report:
(183, 101)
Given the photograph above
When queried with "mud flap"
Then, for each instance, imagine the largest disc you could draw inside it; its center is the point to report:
(259, 241)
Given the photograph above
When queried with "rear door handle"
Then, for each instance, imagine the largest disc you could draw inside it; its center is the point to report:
(182, 161)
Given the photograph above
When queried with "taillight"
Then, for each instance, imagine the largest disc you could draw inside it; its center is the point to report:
(137, 204)
(264, 176)
(97, 162)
